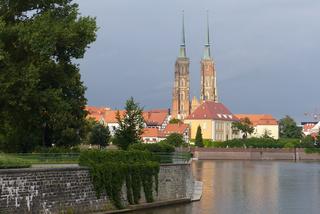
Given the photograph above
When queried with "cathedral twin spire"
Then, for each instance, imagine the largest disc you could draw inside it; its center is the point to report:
(207, 51)
(181, 106)
(182, 52)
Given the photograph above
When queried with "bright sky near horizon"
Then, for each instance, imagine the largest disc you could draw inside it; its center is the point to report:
(267, 52)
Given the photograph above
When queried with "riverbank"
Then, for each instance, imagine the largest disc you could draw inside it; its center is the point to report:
(70, 190)
(253, 154)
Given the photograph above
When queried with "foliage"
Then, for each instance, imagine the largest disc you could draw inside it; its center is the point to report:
(254, 143)
(153, 147)
(57, 149)
(175, 121)
(111, 170)
(100, 135)
(312, 150)
(8, 162)
(41, 93)
(244, 125)
(288, 128)
(318, 139)
(175, 140)
(130, 125)
(199, 140)
(307, 141)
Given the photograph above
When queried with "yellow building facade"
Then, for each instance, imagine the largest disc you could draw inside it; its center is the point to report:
(215, 121)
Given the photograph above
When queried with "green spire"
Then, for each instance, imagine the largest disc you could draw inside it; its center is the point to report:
(207, 52)
(182, 52)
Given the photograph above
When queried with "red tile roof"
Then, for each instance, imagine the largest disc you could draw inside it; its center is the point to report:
(151, 132)
(155, 118)
(110, 116)
(259, 119)
(96, 110)
(96, 117)
(212, 111)
(152, 117)
(179, 128)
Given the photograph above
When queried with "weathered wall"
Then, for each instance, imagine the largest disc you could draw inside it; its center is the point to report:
(253, 154)
(58, 190)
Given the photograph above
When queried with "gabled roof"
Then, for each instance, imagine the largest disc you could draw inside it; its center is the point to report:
(211, 110)
(179, 128)
(259, 119)
(151, 132)
(155, 118)
(110, 116)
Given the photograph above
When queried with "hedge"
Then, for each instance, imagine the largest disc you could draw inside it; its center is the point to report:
(254, 143)
(153, 147)
(110, 170)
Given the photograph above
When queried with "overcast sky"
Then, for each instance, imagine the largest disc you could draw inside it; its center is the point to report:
(267, 52)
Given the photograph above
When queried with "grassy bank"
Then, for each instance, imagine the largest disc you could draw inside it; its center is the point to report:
(11, 161)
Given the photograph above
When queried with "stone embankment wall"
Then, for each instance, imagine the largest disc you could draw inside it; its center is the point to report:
(64, 190)
(253, 154)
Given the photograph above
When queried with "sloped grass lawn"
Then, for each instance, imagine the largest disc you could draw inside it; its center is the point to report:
(11, 162)
(49, 158)
(25, 160)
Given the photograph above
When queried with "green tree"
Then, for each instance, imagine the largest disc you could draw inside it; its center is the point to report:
(307, 142)
(100, 135)
(41, 93)
(199, 140)
(175, 140)
(130, 125)
(175, 121)
(289, 129)
(244, 125)
(318, 139)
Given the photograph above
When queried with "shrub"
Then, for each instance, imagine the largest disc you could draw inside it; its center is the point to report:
(175, 140)
(153, 147)
(110, 170)
(57, 149)
(312, 150)
(100, 135)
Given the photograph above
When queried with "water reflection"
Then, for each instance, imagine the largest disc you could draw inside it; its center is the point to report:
(253, 187)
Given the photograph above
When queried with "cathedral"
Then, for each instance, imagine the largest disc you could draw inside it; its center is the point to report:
(181, 105)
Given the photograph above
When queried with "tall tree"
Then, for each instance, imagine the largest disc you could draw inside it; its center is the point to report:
(199, 139)
(41, 94)
(131, 125)
(100, 135)
(175, 140)
(289, 129)
(244, 125)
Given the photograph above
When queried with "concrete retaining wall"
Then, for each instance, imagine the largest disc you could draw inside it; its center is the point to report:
(253, 154)
(70, 189)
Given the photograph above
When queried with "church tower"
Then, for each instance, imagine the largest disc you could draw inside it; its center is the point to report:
(208, 86)
(181, 88)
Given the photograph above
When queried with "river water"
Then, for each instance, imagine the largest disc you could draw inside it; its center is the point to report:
(258, 187)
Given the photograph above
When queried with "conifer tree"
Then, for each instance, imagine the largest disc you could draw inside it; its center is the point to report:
(199, 140)
(131, 125)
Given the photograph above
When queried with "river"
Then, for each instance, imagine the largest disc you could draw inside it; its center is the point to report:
(245, 187)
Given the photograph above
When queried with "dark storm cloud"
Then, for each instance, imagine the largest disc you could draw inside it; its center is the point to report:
(267, 52)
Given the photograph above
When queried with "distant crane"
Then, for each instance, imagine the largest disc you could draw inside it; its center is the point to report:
(315, 115)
